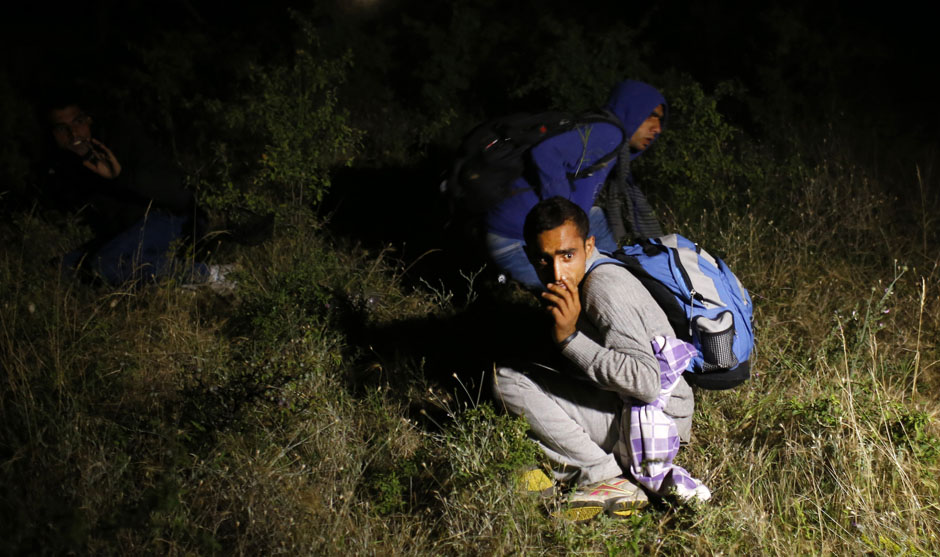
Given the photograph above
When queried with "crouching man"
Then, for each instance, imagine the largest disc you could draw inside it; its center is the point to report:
(615, 402)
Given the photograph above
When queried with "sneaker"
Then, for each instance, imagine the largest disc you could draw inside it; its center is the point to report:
(700, 494)
(219, 279)
(537, 481)
(627, 505)
(618, 497)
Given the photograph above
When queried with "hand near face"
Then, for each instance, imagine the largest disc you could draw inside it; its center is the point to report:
(100, 160)
(564, 305)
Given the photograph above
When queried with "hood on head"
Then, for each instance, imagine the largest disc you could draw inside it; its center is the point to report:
(632, 102)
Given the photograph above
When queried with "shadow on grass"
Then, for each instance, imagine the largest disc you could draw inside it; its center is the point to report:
(455, 354)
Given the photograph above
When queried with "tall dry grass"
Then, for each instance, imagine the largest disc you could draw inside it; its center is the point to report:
(156, 420)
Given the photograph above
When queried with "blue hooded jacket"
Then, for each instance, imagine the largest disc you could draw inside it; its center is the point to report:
(633, 102)
(557, 157)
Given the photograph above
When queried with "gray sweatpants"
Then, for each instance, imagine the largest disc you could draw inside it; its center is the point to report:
(577, 424)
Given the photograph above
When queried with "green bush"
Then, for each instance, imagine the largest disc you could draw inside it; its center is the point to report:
(284, 134)
(701, 161)
(579, 67)
(487, 447)
(20, 136)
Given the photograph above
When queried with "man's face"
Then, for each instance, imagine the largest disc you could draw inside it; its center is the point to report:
(71, 129)
(561, 252)
(648, 130)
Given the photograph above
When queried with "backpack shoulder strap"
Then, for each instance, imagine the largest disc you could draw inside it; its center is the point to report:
(606, 258)
(600, 116)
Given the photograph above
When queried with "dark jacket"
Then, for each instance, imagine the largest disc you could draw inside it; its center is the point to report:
(148, 182)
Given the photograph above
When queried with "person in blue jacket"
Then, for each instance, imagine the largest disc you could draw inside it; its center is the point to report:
(642, 112)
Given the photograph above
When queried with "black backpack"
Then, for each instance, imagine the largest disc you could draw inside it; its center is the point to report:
(496, 152)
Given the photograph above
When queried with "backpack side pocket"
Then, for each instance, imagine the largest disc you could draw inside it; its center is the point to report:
(716, 336)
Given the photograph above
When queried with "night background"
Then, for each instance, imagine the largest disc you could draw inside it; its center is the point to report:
(336, 401)
(419, 75)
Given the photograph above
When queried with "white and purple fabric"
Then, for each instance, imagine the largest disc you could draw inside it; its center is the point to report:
(654, 441)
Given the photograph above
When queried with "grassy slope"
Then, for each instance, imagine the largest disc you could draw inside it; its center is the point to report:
(283, 419)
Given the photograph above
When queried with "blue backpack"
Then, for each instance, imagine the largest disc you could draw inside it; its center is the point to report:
(704, 301)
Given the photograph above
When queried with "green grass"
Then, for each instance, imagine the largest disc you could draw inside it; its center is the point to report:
(160, 421)
(282, 419)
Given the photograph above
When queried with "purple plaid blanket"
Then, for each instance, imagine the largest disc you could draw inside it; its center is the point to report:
(654, 441)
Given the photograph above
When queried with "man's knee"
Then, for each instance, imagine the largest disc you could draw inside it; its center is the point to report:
(509, 388)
